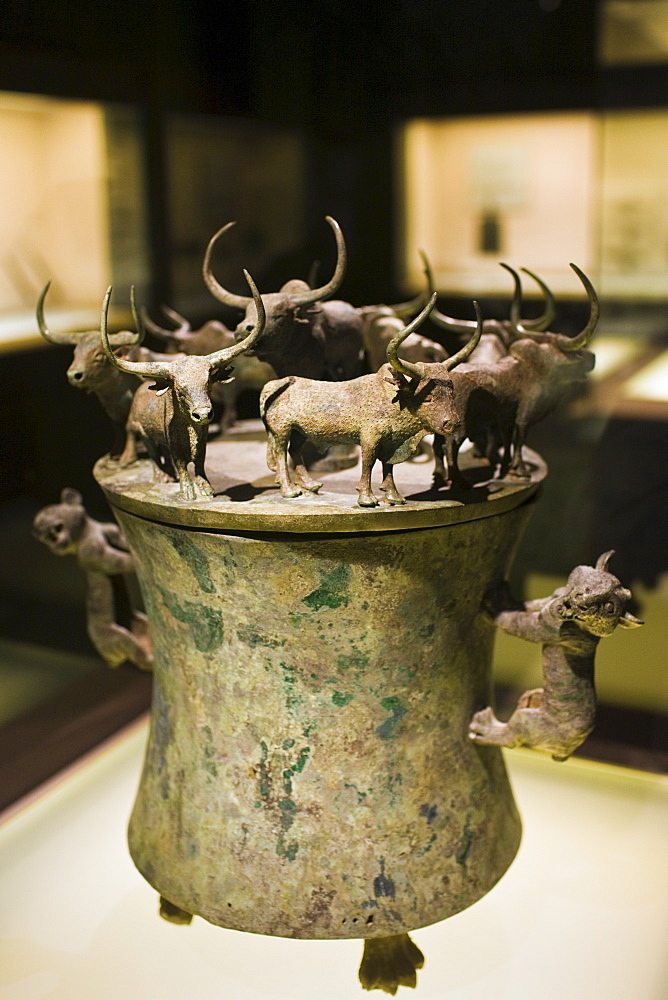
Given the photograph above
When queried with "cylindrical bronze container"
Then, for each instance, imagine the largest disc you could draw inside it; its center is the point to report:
(309, 772)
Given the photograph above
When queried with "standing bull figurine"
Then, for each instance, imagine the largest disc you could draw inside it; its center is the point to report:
(248, 371)
(559, 716)
(66, 529)
(304, 335)
(499, 402)
(385, 413)
(171, 413)
(498, 335)
(91, 371)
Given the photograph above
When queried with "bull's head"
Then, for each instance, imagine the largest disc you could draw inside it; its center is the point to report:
(283, 308)
(570, 349)
(189, 377)
(425, 386)
(418, 371)
(89, 363)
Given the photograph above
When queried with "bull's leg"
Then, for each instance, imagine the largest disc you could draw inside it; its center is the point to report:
(187, 489)
(366, 497)
(279, 447)
(129, 453)
(392, 494)
(439, 478)
(455, 478)
(518, 467)
(301, 472)
(202, 485)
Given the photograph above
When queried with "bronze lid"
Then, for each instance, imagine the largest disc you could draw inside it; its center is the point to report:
(247, 498)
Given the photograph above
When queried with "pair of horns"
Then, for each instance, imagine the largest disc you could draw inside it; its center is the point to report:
(416, 371)
(304, 297)
(163, 369)
(122, 339)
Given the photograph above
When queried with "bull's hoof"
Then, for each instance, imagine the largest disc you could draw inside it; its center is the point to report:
(312, 485)
(390, 962)
(394, 499)
(367, 500)
(290, 492)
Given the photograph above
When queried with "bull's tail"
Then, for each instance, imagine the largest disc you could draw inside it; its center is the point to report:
(272, 391)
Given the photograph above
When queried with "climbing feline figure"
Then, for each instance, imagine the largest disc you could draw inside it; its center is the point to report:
(559, 716)
(101, 551)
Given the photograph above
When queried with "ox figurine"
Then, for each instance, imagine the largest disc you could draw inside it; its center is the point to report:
(171, 414)
(91, 371)
(498, 335)
(558, 717)
(499, 402)
(386, 413)
(248, 371)
(304, 335)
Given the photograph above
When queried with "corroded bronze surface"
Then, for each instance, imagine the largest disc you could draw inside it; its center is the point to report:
(309, 771)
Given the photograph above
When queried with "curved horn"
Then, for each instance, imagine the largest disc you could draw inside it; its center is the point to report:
(406, 367)
(467, 349)
(228, 353)
(420, 301)
(143, 369)
(602, 561)
(179, 333)
(216, 289)
(561, 341)
(53, 338)
(541, 323)
(325, 291)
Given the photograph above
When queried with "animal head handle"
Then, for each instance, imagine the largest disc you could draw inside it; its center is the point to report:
(406, 367)
(595, 599)
(72, 338)
(559, 339)
(181, 332)
(304, 297)
(420, 301)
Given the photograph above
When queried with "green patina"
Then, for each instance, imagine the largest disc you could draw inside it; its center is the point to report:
(354, 664)
(287, 809)
(209, 752)
(263, 768)
(288, 744)
(292, 699)
(193, 557)
(387, 729)
(332, 592)
(360, 795)
(340, 699)
(296, 768)
(253, 638)
(465, 843)
(205, 623)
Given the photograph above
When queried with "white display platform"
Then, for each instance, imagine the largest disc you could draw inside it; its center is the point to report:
(582, 912)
